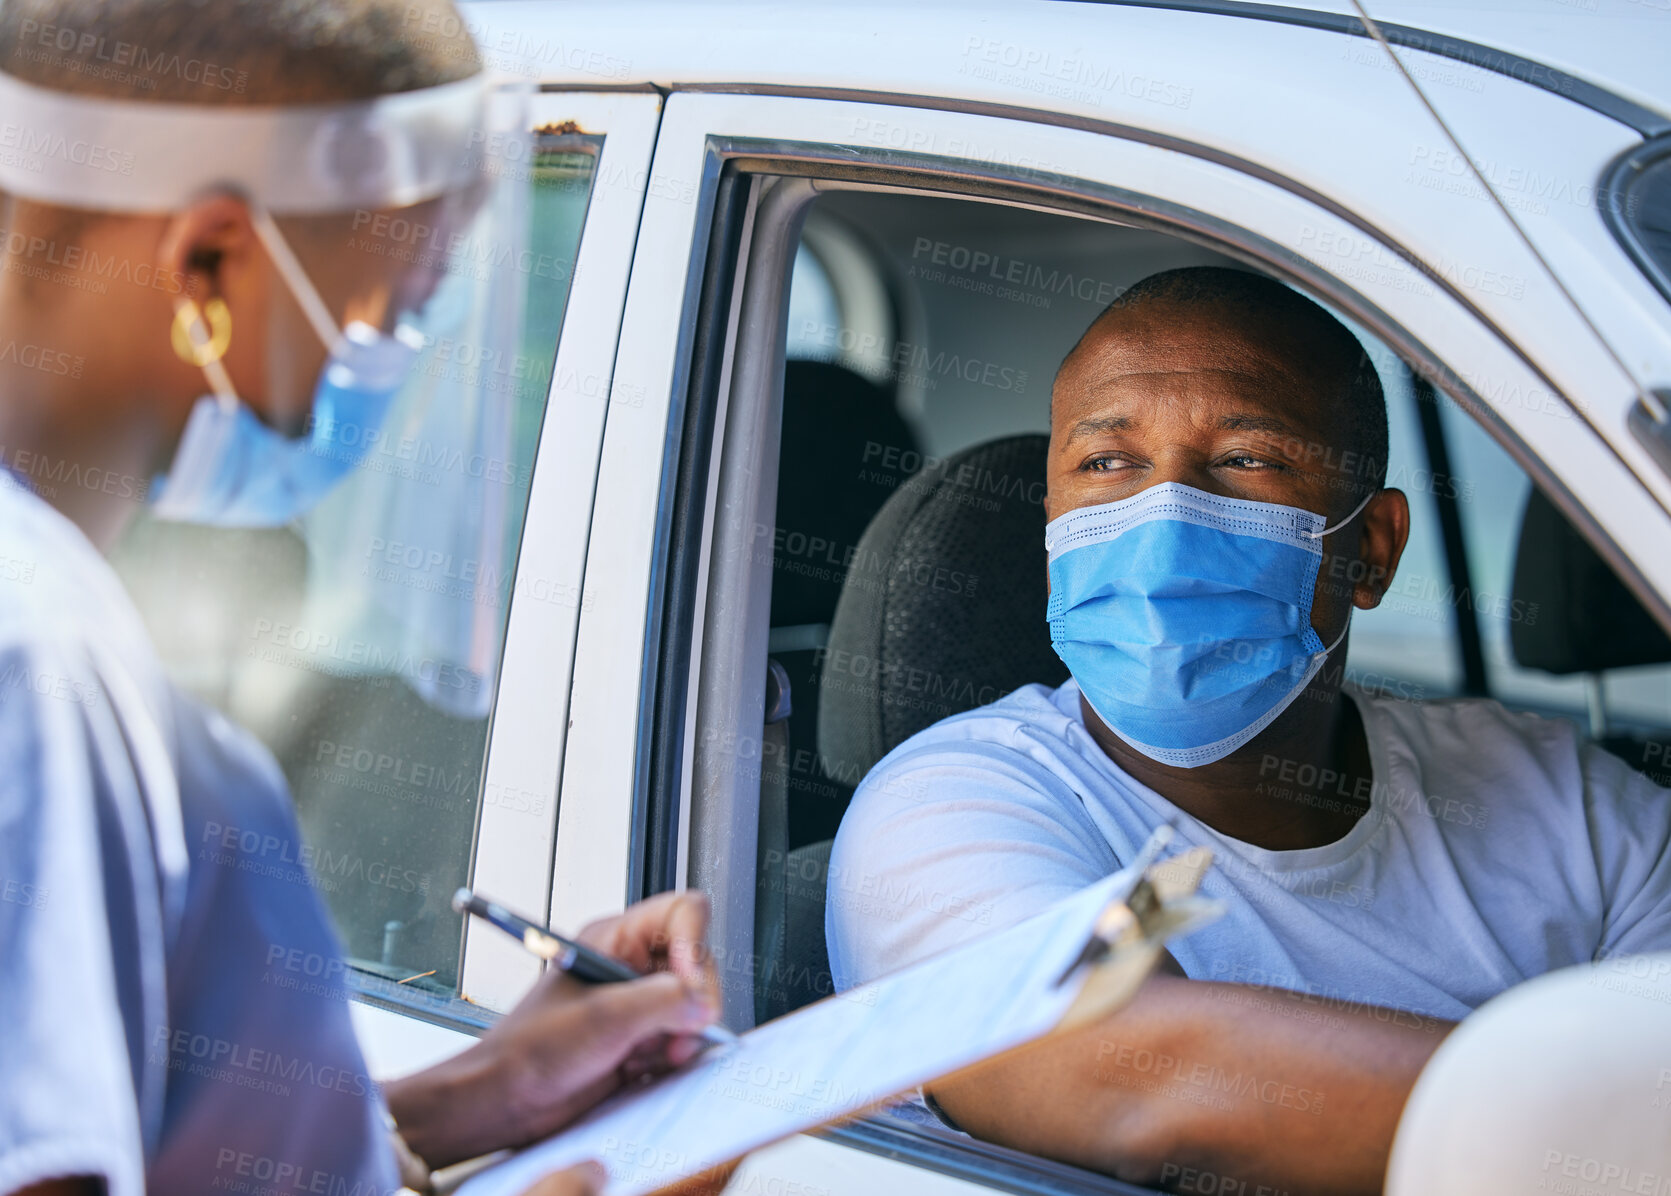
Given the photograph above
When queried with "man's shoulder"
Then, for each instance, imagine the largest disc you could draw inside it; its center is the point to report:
(1028, 720)
(1029, 748)
(1465, 727)
(1472, 762)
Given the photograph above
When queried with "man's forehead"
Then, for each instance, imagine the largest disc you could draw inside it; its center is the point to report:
(1130, 369)
(1230, 416)
(1176, 339)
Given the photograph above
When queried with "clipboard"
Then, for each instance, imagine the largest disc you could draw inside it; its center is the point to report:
(1076, 962)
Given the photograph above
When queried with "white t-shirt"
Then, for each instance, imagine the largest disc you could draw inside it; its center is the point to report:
(1498, 846)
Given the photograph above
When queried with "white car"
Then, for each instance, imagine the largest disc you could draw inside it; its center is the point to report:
(922, 206)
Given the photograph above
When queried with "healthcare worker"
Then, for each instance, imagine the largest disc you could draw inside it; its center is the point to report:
(226, 375)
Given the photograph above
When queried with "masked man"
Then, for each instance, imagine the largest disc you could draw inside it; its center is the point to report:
(1217, 511)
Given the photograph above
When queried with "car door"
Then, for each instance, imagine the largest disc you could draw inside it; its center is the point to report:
(670, 766)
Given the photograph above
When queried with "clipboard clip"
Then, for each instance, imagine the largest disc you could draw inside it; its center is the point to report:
(1135, 913)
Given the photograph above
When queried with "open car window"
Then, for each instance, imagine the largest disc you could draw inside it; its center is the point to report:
(988, 301)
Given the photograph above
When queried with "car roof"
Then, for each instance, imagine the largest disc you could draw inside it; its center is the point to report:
(1617, 46)
(1620, 45)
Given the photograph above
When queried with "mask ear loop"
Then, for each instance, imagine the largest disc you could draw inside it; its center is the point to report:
(1356, 511)
(296, 278)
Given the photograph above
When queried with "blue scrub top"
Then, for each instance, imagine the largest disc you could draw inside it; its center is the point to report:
(173, 1003)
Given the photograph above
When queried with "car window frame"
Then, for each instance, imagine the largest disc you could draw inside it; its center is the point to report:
(510, 847)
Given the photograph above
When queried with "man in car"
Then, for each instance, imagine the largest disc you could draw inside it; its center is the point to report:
(1215, 490)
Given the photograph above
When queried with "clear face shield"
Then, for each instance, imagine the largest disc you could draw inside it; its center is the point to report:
(402, 477)
(412, 553)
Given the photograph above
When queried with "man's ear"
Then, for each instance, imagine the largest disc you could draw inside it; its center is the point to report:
(1386, 529)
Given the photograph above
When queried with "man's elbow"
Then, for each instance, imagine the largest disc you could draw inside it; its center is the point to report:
(1121, 1134)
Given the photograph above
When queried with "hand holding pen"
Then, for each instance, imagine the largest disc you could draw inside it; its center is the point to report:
(589, 964)
(569, 1044)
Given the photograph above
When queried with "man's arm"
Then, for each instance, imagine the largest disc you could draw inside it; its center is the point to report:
(1196, 1083)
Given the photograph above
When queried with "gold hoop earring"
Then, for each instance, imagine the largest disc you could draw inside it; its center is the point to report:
(192, 343)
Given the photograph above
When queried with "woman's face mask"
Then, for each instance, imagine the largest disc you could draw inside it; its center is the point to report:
(233, 470)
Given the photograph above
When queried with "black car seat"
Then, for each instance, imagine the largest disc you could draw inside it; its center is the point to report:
(844, 449)
(842, 446)
(945, 614)
(1577, 617)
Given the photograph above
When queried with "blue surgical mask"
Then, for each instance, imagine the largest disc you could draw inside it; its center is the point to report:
(1185, 617)
(233, 470)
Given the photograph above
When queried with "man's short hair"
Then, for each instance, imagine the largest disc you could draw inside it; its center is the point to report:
(235, 51)
(1231, 292)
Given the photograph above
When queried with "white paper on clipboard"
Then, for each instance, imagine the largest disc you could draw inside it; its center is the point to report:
(829, 1060)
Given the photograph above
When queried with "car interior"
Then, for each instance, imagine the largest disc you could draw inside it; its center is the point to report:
(908, 577)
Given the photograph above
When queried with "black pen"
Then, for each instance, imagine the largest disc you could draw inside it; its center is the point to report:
(577, 959)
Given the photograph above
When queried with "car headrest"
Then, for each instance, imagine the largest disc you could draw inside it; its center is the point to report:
(943, 609)
(842, 447)
(1572, 614)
